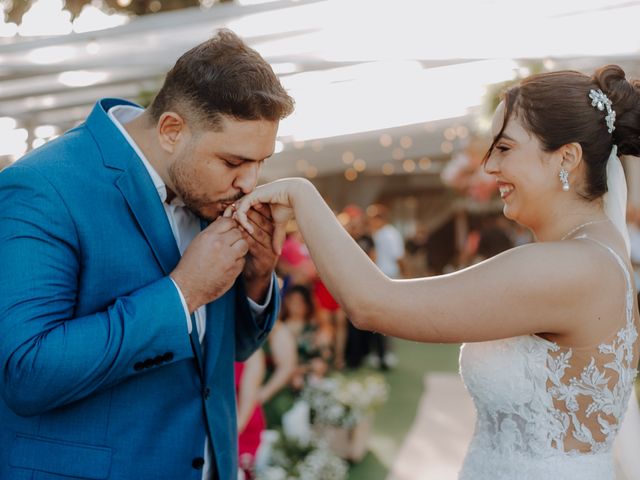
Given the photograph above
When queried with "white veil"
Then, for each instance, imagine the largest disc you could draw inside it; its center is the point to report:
(627, 442)
(615, 200)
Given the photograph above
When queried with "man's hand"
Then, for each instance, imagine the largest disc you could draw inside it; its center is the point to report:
(261, 259)
(279, 195)
(211, 263)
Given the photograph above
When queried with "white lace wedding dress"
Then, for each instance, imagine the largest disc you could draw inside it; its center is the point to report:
(546, 411)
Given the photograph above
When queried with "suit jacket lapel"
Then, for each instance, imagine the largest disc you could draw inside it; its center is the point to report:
(138, 190)
(134, 183)
(141, 196)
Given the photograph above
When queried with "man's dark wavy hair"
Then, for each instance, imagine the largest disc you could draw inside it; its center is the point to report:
(222, 76)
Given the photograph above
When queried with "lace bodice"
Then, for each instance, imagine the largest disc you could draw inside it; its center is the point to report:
(548, 411)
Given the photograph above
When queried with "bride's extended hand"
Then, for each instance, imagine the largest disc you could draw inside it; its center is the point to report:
(279, 195)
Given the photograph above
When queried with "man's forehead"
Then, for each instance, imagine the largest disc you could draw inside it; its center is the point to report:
(230, 125)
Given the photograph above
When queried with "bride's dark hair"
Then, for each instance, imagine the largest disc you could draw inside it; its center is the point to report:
(556, 108)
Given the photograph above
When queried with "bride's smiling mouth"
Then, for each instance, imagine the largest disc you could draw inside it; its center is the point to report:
(505, 189)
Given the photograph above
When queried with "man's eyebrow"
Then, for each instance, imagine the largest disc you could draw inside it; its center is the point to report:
(240, 158)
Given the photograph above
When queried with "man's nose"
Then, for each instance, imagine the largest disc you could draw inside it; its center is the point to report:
(248, 177)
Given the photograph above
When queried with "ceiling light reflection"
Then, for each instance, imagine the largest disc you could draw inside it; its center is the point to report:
(51, 55)
(92, 47)
(81, 78)
(417, 96)
(45, 131)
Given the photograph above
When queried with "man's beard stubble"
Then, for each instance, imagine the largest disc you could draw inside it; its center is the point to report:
(184, 188)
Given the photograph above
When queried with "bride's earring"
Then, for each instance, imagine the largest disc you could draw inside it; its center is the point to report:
(564, 178)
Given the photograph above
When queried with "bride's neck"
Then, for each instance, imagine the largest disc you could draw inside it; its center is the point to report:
(559, 222)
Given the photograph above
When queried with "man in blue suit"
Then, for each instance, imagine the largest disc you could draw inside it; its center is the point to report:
(126, 295)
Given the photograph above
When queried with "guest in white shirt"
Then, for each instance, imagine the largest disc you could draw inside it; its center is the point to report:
(389, 248)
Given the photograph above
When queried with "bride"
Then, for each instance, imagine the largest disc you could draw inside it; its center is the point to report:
(551, 327)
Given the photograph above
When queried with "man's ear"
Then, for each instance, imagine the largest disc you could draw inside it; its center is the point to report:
(171, 129)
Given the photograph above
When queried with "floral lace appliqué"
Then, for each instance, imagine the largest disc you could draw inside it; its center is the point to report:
(545, 411)
(594, 384)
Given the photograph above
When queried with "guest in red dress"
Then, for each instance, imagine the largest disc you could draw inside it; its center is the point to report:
(251, 423)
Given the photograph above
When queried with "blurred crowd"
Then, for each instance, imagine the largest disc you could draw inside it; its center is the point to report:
(313, 336)
(633, 227)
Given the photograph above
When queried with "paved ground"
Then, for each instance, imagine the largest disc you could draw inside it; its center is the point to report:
(436, 443)
(435, 446)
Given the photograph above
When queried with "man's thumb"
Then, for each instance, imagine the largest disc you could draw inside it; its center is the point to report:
(279, 234)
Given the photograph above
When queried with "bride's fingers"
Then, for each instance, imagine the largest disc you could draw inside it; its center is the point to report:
(228, 213)
(242, 206)
(274, 193)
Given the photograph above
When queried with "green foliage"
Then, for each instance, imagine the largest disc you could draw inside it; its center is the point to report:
(145, 96)
(494, 92)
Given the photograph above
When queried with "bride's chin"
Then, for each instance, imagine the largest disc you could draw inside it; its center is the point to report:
(508, 212)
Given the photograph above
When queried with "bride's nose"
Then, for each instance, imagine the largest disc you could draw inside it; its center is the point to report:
(491, 165)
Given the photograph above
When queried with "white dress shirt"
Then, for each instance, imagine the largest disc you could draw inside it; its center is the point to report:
(389, 249)
(185, 226)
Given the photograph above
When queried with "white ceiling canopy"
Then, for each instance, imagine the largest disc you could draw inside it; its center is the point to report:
(356, 68)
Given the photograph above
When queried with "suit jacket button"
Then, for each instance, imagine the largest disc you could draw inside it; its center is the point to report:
(148, 363)
(138, 366)
(157, 360)
(167, 357)
(206, 393)
(197, 463)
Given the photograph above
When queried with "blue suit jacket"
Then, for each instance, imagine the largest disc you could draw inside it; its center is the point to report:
(100, 379)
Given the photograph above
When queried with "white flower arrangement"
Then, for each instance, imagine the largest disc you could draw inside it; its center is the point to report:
(292, 460)
(344, 402)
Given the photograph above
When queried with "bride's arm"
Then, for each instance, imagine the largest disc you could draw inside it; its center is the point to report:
(343, 266)
(531, 289)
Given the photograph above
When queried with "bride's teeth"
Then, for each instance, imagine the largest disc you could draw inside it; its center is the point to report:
(504, 190)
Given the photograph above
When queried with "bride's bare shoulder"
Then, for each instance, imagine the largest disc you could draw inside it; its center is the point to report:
(580, 268)
(567, 258)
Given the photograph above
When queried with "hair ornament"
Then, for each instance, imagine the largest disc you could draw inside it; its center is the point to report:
(601, 101)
